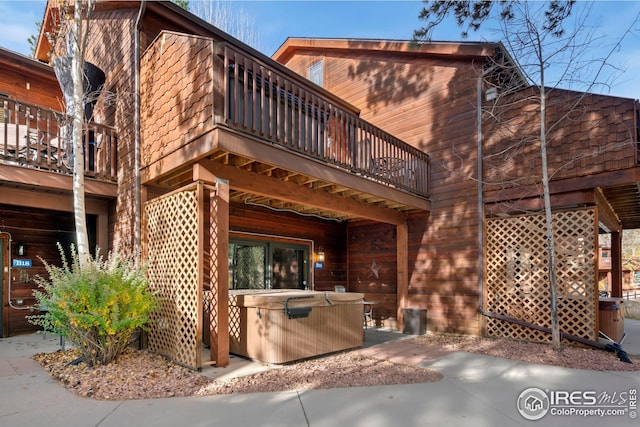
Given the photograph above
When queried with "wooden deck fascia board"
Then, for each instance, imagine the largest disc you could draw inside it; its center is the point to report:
(224, 139)
(568, 185)
(55, 181)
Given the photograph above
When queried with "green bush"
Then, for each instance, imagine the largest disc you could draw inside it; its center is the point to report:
(97, 307)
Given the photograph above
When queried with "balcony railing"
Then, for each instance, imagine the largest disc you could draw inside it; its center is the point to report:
(37, 137)
(294, 115)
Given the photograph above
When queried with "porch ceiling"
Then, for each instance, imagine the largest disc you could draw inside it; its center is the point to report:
(625, 201)
(257, 183)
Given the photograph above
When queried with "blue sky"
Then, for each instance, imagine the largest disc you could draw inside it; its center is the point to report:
(277, 20)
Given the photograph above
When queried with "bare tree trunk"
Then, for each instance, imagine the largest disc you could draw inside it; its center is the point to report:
(78, 42)
(555, 325)
(553, 284)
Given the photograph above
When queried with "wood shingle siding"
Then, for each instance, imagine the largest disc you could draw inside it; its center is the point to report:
(588, 135)
(177, 94)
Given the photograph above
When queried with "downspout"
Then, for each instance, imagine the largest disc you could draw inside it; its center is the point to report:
(137, 198)
(480, 196)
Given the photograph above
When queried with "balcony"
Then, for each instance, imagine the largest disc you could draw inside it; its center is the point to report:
(38, 138)
(279, 139)
(273, 107)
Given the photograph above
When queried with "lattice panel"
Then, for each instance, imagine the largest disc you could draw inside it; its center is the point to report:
(211, 297)
(172, 238)
(517, 274)
(234, 322)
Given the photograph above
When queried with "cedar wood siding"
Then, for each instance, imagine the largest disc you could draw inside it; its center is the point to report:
(328, 234)
(39, 230)
(177, 109)
(428, 103)
(39, 219)
(113, 33)
(24, 82)
(111, 49)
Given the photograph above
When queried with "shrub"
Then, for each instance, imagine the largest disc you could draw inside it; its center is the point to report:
(97, 307)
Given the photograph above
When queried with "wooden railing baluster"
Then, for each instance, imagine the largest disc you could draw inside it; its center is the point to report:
(289, 112)
(33, 136)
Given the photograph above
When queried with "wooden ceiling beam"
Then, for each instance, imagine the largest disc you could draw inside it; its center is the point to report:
(254, 183)
(606, 215)
(243, 145)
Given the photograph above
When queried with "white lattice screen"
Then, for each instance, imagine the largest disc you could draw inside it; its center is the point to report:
(516, 274)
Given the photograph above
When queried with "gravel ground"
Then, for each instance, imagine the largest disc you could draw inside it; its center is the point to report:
(139, 374)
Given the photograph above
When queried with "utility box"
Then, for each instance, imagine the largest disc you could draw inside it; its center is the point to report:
(611, 319)
(414, 321)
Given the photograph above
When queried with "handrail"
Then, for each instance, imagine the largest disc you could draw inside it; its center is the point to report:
(264, 102)
(38, 137)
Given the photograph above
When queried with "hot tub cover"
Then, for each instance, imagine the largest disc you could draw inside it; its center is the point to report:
(277, 298)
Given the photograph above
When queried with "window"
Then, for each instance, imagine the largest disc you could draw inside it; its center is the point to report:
(261, 264)
(316, 73)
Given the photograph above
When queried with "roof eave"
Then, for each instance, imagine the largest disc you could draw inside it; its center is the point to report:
(401, 47)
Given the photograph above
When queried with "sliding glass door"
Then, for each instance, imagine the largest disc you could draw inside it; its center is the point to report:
(257, 264)
(247, 265)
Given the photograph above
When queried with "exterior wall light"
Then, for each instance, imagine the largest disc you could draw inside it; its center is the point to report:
(21, 249)
(491, 94)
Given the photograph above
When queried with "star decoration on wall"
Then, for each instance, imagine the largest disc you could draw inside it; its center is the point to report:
(375, 268)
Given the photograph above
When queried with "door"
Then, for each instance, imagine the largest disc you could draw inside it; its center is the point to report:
(288, 267)
(256, 264)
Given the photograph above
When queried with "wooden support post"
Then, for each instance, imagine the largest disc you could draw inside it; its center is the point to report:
(616, 264)
(220, 265)
(402, 289)
(202, 220)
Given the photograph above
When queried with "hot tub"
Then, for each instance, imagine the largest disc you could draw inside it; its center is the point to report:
(280, 326)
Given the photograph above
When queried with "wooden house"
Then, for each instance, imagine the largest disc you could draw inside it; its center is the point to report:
(336, 163)
(279, 168)
(36, 205)
(484, 246)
